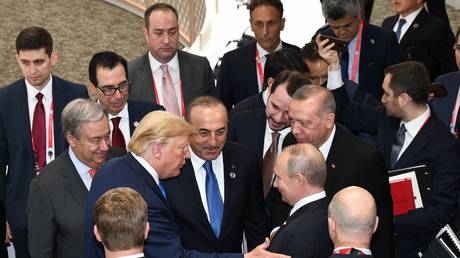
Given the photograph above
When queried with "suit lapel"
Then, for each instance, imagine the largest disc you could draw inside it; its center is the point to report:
(185, 77)
(133, 119)
(73, 181)
(415, 27)
(21, 108)
(262, 123)
(389, 136)
(59, 102)
(230, 172)
(145, 72)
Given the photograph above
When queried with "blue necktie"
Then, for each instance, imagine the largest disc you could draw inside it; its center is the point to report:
(162, 190)
(398, 30)
(213, 198)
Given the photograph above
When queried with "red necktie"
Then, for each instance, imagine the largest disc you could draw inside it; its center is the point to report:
(117, 136)
(169, 95)
(38, 133)
(92, 172)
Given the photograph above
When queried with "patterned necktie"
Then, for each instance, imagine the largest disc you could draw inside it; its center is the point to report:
(214, 199)
(397, 145)
(117, 136)
(169, 95)
(269, 162)
(398, 30)
(39, 133)
(92, 172)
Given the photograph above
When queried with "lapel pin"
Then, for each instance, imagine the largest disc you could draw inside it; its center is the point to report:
(232, 175)
(135, 123)
(332, 165)
(372, 41)
(415, 25)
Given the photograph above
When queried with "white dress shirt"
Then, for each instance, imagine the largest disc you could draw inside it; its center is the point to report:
(413, 127)
(306, 200)
(200, 176)
(263, 58)
(351, 59)
(124, 124)
(409, 20)
(82, 169)
(47, 92)
(268, 137)
(132, 255)
(326, 146)
(173, 68)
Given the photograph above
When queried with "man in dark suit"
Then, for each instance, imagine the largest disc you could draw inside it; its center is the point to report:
(30, 130)
(217, 228)
(447, 107)
(108, 81)
(350, 161)
(284, 59)
(352, 219)
(57, 198)
(158, 150)
(422, 37)
(120, 223)
(300, 176)
(241, 73)
(166, 75)
(408, 134)
(437, 8)
(376, 48)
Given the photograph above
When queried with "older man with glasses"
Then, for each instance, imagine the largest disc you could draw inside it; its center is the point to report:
(108, 81)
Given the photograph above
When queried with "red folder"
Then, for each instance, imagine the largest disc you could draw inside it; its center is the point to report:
(403, 196)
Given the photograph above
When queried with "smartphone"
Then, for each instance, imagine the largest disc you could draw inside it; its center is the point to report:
(438, 90)
(340, 45)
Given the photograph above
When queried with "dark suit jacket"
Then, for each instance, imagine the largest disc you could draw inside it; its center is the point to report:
(163, 239)
(237, 78)
(16, 143)
(379, 49)
(195, 73)
(243, 206)
(428, 40)
(353, 162)
(434, 146)
(254, 102)
(305, 233)
(137, 110)
(444, 106)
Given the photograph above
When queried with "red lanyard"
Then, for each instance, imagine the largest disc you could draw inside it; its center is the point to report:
(260, 71)
(453, 119)
(50, 132)
(357, 51)
(181, 95)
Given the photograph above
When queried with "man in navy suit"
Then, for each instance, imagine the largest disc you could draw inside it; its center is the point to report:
(158, 149)
(109, 82)
(370, 48)
(352, 219)
(408, 134)
(30, 129)
(120, 223)
(241, 74)
(422, 37)
(239, 182)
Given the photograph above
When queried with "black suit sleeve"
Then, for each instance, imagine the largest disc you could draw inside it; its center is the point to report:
(41, 223)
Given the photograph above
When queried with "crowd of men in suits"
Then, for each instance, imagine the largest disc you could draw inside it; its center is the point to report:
(286, 156)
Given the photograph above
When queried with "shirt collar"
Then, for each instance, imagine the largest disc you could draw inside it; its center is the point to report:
(411, 17)
(123, 113)
(198, 162)
(324, 149)
(79, 166)
(265, 96)
(366, 251)
(283, 132)
(263, 52)
(46, 91)
(414, 126)
(173, 63)
(306, 200)
(132, 255)
(147, 167)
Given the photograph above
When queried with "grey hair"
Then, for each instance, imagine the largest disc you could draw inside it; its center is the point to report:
(327, 103)
(80, 111)
(308, 161)
(338, 9)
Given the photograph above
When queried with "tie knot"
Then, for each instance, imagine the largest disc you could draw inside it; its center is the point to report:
(92, 172)
(208, 166)
(402, 22)
(275, 136)
(164, 68)
(39, 97)
(116, 121)
(402, 129)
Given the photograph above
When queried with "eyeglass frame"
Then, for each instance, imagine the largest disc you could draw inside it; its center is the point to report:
(120, 88)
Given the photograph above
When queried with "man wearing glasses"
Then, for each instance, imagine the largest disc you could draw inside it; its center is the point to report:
(109, 82)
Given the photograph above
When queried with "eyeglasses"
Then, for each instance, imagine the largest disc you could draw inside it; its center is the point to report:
(109, 90)
(456, 46)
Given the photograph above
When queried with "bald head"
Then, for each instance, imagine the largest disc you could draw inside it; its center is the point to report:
(352, 217)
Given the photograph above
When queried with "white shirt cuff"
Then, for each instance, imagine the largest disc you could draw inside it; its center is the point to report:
(334, 79)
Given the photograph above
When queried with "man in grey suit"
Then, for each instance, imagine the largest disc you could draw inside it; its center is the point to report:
(57, 198)
(166, 75)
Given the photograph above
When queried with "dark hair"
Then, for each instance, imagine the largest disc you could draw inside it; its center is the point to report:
(158, 7)
(275, 3)
(286, 58)
(34, 38)
(412, 78)
(310, 53)
(294, 81)
(107, 60)
(338, 9)
(207, 100)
